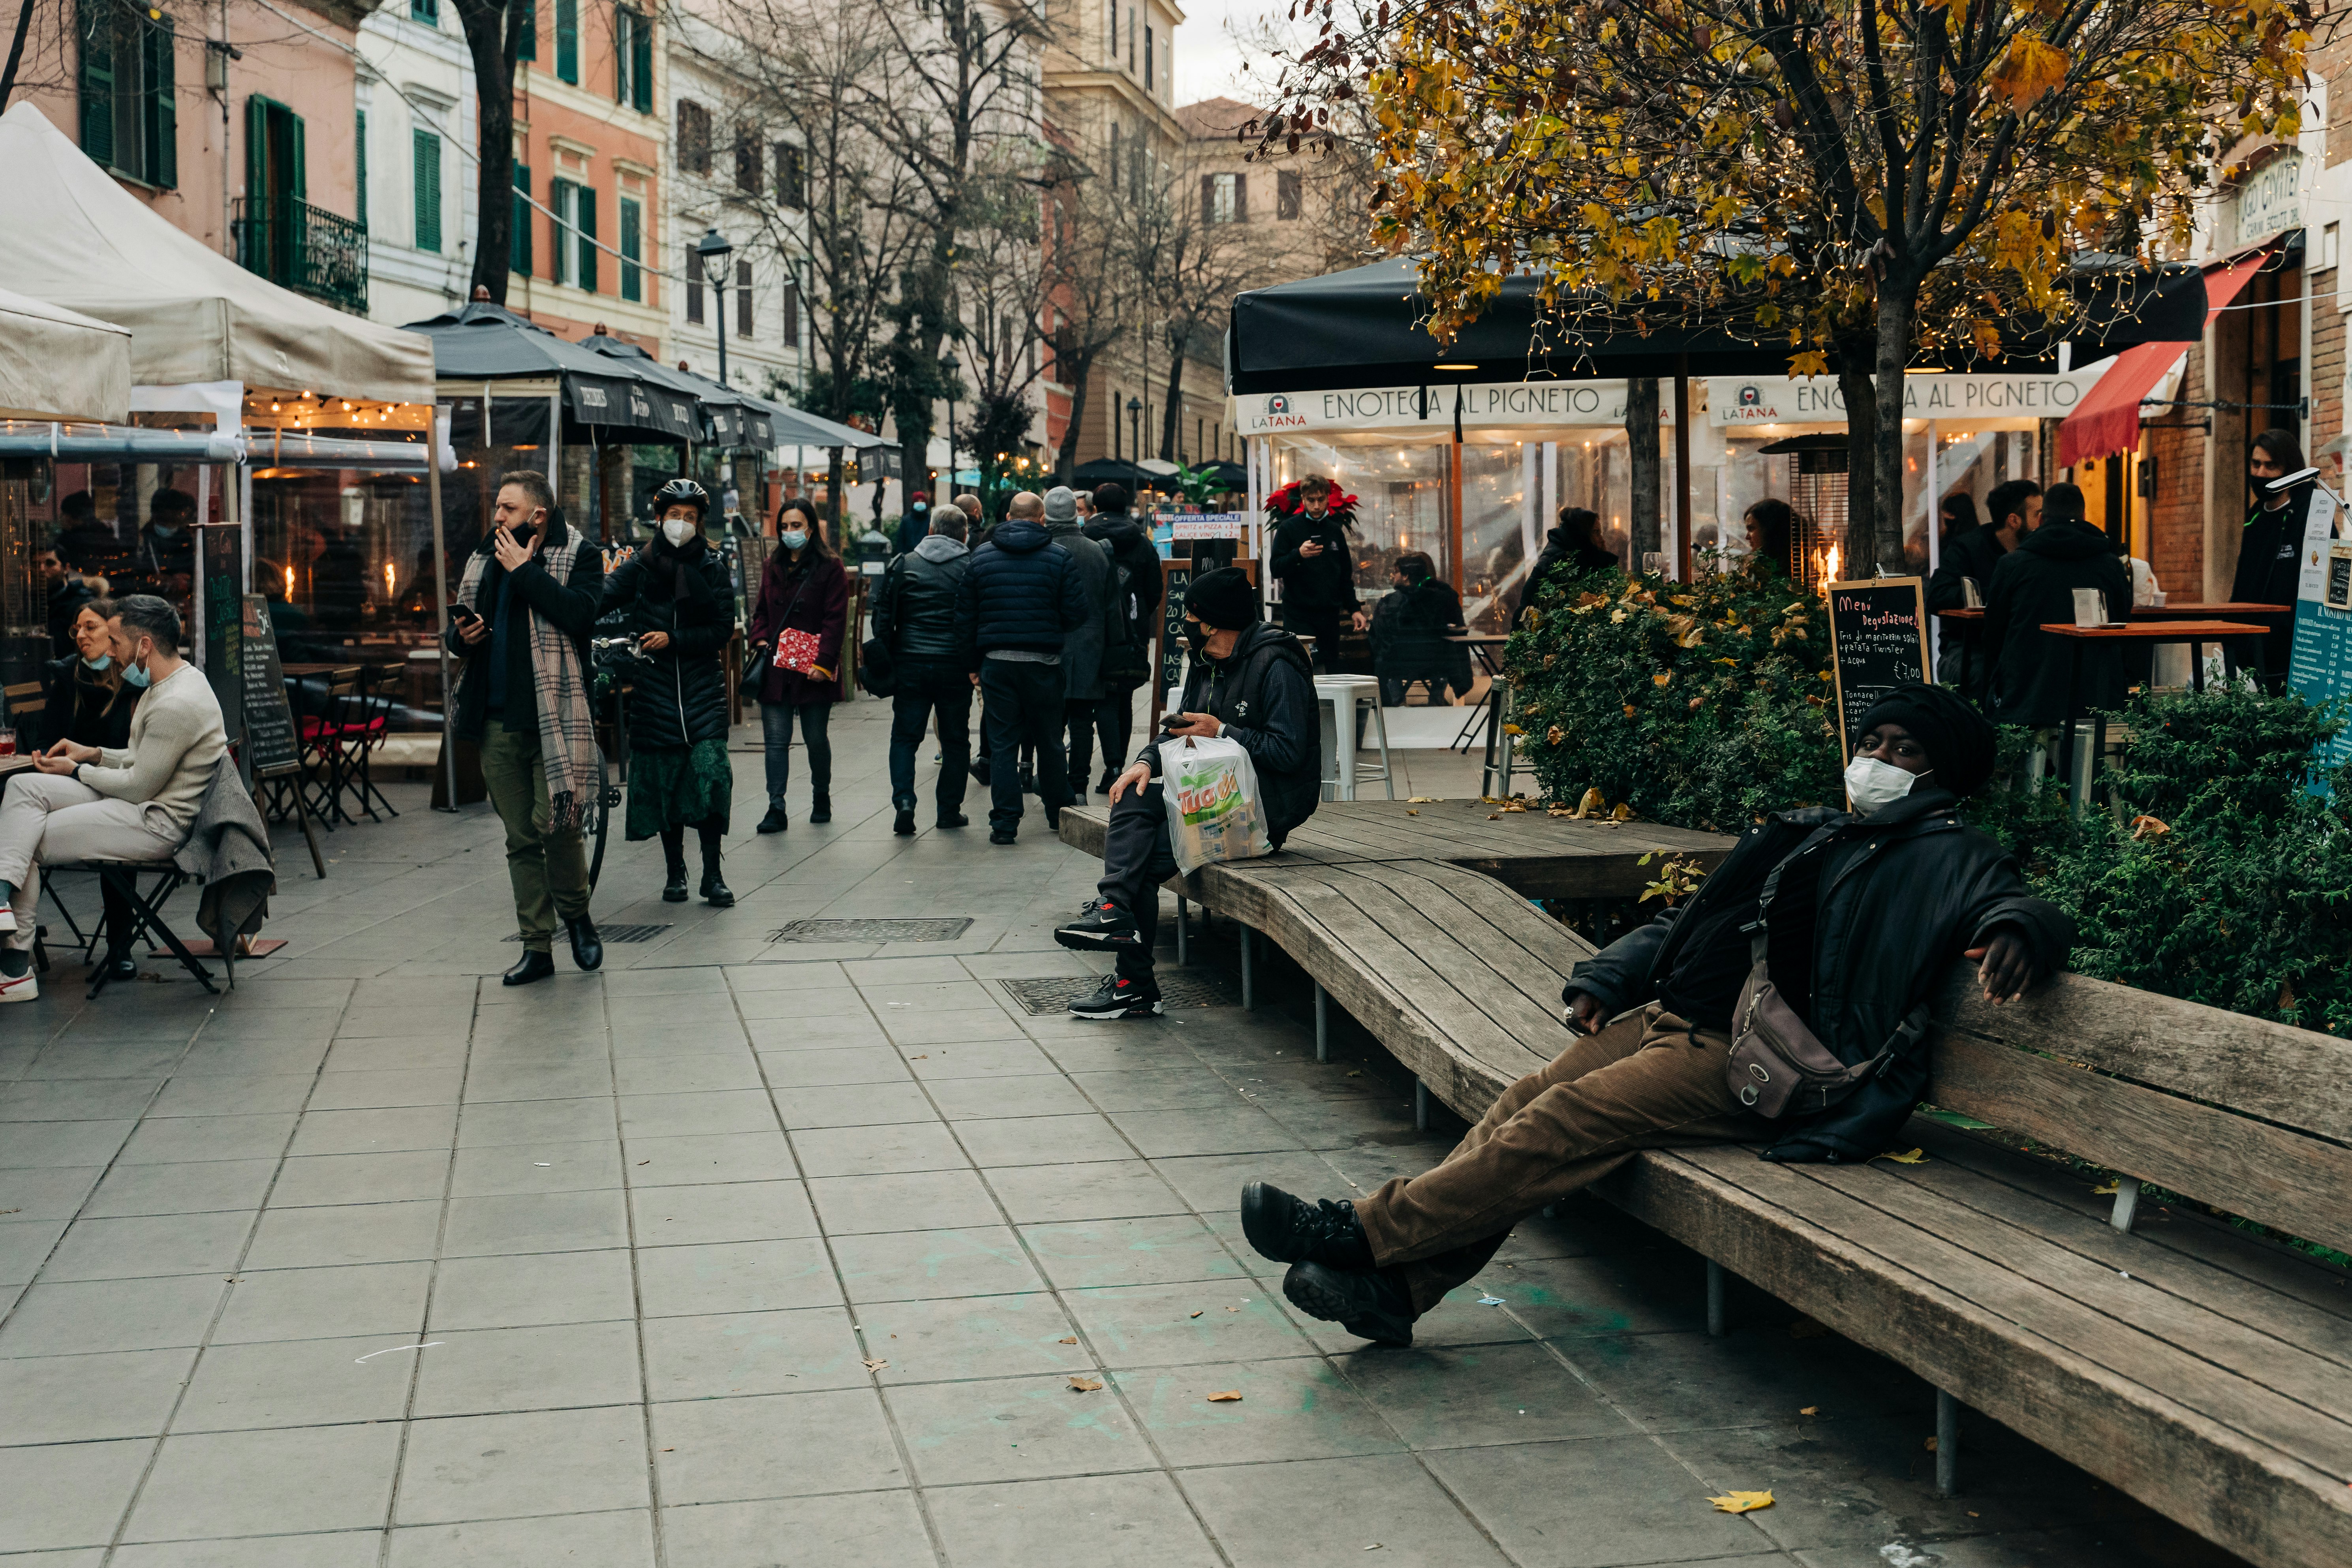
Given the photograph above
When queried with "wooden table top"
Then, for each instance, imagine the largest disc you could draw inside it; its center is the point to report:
(2158, 631)
(2185, 611)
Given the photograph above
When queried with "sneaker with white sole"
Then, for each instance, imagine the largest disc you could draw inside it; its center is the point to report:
(22, 988)
(1117, 998)
(8, 917)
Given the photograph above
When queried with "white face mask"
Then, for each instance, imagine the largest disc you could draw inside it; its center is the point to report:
(1874, 785)
(678, 530)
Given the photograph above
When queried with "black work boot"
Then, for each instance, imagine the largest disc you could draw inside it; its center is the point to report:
(904, 825)
(587, 947)
(774, 821)
(1291, 1230)
(714, 891)
(535, 965)
(821, 808)
(1369, 1306)
(674, 888)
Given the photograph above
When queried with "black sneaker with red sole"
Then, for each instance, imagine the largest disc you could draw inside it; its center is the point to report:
(1117, 998)
(1101, 924)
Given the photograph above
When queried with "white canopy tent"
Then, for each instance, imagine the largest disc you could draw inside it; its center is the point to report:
(58, 365)
(76, 238)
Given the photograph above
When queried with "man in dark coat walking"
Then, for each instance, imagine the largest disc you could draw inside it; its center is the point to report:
(914, 615)
(1020, 597)
(2034, 586)
(1137, 587)
(1866, 914)
(1311, 557)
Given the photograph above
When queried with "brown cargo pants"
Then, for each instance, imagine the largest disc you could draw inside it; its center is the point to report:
(1647, 1081)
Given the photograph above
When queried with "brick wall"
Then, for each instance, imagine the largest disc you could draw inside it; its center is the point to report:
(2176, 442)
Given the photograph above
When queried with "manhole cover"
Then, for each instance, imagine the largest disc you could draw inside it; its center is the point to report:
(942, 930)
(622, 933)
(1180, 988)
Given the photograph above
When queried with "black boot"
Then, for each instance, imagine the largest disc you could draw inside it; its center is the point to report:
(1369, 1306)
(673, 853)
(905, 824)
(535, 965)
(774, 821)
(821, 808)
(587, 947)
(714, 888)
(954, 819)
(1289, 1230)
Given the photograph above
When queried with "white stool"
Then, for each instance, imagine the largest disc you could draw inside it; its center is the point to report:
(1334, 694)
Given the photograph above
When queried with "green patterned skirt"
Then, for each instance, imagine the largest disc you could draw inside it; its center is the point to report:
(679, 788)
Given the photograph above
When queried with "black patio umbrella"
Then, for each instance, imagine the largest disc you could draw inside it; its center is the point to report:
(1116, 471)
(1229, 476)
(616, 399)
(730, 418)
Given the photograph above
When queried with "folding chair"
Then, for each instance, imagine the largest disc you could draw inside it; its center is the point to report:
(146, 911)
(326, 748)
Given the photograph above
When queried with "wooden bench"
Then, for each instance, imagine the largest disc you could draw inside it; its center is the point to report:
(2202, 1370)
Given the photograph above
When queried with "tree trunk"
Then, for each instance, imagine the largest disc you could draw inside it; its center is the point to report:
(1173, 414)
(1897, 313)
(1065, 459)
(493, 33)
(1857, 359)
(1641, 435)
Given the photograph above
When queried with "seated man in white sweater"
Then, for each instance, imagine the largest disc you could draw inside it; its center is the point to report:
(89, 804)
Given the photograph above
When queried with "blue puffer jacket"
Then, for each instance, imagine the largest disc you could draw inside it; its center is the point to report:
(1022, 590)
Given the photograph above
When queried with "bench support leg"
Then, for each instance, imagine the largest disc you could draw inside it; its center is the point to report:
(1322, 1022)
(1183, 932)
(1420, 1105)
(1249, 967)
(2127, 1204)
(1947, 1445)
(1715, 1299)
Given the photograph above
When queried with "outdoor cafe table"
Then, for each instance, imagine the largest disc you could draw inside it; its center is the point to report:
(2139, 634)
(1968, 625)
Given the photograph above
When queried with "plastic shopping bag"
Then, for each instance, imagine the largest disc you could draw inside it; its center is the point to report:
(1213, 809)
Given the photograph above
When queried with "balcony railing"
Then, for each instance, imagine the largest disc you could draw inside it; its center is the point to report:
(304, 249)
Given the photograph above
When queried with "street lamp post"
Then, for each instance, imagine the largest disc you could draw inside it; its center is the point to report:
(952, 365)
(714, 252)
(1135, 426)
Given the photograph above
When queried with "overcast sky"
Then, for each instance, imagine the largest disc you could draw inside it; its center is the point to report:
(1208, 61)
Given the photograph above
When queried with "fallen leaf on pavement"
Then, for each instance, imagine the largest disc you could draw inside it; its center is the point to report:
(1085, 1384)
(875, 1365)
(1231, 1396)
(1742, 1502)
(1233, 1309)
(2106, 1191)
(1196, 1314)
(1412, 814)
(1908, 1157)
(1071, 1339)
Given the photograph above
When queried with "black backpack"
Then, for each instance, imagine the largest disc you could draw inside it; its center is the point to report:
(878, 671)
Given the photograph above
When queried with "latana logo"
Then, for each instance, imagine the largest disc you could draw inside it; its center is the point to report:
(1750, 396)
(1278, 404)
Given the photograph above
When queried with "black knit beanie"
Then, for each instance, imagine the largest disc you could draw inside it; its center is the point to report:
(1961, 741)
(1222, 599)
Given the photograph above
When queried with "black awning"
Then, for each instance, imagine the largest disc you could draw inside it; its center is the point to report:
(483, 342)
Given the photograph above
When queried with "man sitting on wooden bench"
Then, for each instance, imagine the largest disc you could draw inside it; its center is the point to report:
(1854, 916)
(90, 804)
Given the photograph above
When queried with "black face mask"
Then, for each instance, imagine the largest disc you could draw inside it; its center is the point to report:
(522, 532)
(1196, 637)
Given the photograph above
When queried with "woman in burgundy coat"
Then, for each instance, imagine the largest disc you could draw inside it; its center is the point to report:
(802, 589)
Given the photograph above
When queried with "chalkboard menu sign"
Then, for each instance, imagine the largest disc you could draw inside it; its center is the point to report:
(1878, 637)
(270, 747)
(220, 560)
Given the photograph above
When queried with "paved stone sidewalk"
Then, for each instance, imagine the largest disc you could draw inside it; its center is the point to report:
(752, 1252)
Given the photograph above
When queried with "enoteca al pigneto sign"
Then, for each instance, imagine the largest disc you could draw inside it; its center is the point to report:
(1792, 400)
(1484, 405)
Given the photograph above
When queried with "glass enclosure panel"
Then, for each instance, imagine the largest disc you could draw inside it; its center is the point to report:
(1400, 503)
(1596, 472)
(1499, 493)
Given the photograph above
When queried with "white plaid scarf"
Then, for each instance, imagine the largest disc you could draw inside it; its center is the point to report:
(567, 723)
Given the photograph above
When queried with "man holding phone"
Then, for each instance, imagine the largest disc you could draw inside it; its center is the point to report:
(524, 612)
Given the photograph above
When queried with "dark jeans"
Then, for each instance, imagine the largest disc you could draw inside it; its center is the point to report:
(776, 730)
(1110, 718)
(926, 685)
(1321, 622)
(1021, 704)
(1136, 857)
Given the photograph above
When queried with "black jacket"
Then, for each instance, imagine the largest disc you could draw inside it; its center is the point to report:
(1325, 582)
(82, 710)
(1128, 663)
(2034, 586)
(1082, 645)
(2270, 570)
(1263, 694)
(678, 695)
(1904, 894)
(1560, 551)
(1022, 590)
(914, 614)
(571, 606)
(1971, 553)
(1409, 636)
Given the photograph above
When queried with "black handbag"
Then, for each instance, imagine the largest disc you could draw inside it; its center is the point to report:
(754, 679)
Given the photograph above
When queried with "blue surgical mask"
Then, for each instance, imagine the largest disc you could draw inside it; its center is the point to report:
(794, 540)
(164, 529)
(135, 676)
(100, 662)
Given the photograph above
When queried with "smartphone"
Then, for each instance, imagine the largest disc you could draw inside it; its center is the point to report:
(462, 615)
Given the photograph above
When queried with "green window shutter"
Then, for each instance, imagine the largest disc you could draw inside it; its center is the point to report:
(359, 163)
(163, 116)
(624, 56)
(527, 27)
(588, 237)
(297, 184)
(427, 147)
(641, 65)
(97, 28)
(567, 40)
(518, 240)
(560, 249)
(633, 286)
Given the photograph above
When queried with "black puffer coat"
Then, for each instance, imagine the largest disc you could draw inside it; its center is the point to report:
(1022, 590)
(679, 694)
(1264, 695)
(1904, 894)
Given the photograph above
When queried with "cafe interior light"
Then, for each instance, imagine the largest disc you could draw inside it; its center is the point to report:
(290, 582)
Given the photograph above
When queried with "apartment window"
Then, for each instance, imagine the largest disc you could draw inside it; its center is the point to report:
(567, 41)
(519, 247)
(1130, 37)
(693, 137)
(1114, 160)
(526, 24)
(1110, 30)
(426, 148)
(633, 282)
(1285, 193)
(1150, 60)
(747, 161)
(633, 60)
(742, 298)
(791, 176)
(1224, 198)
(129, 121)
(574, 228)
(694, 285)
(426, 11)
(790, 311)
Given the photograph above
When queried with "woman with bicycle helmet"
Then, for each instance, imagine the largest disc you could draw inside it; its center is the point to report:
(681, 609)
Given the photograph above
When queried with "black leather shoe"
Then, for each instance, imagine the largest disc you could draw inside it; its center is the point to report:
(1053, 819)
(1003, 836)
(714, 891)
(774, 821)
(673, 890)
(979, 771)
(821, 808)
(1369, 1306)
(119, 966)
(1291, 1230)
(905, 825)
(955, 819)
(535, 965)
(587, 947)
(1102, 785)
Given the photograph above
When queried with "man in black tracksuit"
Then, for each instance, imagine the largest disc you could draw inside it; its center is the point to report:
(1020, 596)
(2034, 586)
(914, 619)
(1127, 663)
(1859, 918)
(1249, 683)
(1310, 556)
